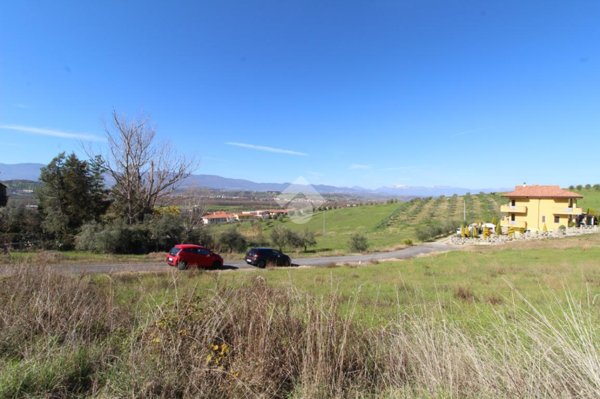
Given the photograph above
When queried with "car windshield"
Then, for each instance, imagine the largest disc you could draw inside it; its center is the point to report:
(174, 251)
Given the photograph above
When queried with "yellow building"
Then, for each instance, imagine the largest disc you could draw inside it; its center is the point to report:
(533, 207)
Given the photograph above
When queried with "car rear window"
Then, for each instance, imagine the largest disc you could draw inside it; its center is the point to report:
(174, 251)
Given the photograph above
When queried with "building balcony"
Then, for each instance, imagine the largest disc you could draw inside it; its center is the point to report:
(563, 210)
(513, 209)
(513, 223)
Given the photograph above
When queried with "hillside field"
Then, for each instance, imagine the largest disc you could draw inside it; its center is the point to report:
(591, 199)
(386, 226)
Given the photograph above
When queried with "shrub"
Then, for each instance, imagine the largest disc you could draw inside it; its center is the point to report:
(429, 232)
(486, 233)
(464, 293)
(166, 230)
(159, 233)
(425, 232)
(233, 241)
(115, 238)
(200, 236)
(20, 227)
(358, 243)
(282, 237)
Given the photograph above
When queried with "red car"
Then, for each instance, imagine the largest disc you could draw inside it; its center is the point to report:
(186, 255)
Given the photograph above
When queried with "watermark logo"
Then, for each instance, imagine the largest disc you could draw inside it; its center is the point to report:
(299, 199)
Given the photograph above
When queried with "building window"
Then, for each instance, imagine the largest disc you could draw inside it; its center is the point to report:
(512, 217)
(557, 219)
(543, 219)
(512, 203)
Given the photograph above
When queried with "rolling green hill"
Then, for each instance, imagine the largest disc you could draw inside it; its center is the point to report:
(386, 226)
(591, 199)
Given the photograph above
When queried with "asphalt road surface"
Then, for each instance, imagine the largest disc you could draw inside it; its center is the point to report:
(409, 252)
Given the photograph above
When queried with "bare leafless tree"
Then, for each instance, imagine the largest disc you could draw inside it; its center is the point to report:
(192, 210)
(143, 170)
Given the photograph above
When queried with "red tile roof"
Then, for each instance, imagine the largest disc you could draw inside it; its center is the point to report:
(218, 215)
(541, 192)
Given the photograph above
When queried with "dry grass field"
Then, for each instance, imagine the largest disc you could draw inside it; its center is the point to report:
(514, 321)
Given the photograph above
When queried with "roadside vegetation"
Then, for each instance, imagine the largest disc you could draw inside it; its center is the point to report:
(521, 321)
(329, 232)
(77, 211)
(384, 225)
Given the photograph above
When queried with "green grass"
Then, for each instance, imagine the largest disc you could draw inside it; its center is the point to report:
(386, 226)
(435, 326)
(48, 257)
(466, 284)
(591, 199)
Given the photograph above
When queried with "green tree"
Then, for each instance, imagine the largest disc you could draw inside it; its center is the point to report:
(232, 240)
(20, 227)
(358, 243)
(279, 237)
(71, 194)
(308, 239)
(294, 240)
(282, 237)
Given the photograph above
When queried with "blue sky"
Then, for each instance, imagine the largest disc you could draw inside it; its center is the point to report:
(475, 94)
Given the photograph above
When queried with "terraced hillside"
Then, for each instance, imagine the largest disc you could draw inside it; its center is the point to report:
(385, 225)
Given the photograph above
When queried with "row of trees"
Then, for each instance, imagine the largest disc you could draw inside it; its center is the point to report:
(74, 200)
(77, 210)
(580, 187)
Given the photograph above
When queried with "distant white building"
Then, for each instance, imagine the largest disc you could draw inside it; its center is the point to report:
(219, 218)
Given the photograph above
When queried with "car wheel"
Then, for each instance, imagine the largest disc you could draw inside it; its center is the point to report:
(182, 265)
(261, 263)
(216, 264)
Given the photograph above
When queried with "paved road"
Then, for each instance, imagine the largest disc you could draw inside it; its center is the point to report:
(406, 253)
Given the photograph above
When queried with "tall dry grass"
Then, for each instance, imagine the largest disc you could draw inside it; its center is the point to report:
(65, 336)
(56, 333)
(256, 341)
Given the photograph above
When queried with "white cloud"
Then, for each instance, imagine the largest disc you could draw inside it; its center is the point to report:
(268, 149)
(359, 166)
(397, 168)
(465, 132)
(52, 133)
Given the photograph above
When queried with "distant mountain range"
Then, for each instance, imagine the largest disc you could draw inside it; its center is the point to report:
(20, 171)
(31, 171)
